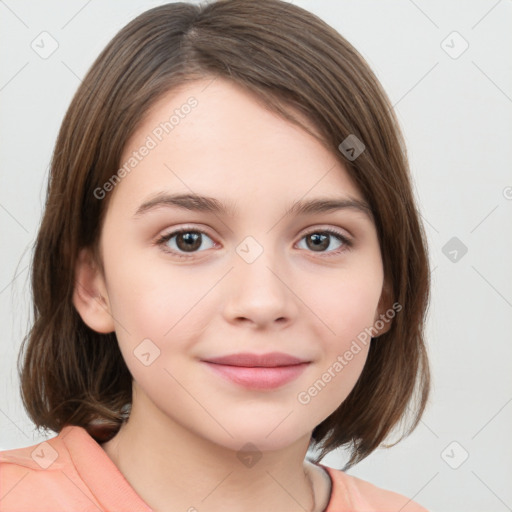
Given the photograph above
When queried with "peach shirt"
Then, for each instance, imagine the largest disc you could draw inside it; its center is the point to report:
(71, 472)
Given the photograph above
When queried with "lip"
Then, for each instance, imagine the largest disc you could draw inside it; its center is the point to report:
(258, 371)
(271, 359)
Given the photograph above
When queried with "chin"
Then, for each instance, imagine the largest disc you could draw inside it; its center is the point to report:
(261, 438)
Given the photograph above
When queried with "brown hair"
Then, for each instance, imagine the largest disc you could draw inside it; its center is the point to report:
(287, 57)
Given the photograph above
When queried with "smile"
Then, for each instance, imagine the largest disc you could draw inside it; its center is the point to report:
(253, 371)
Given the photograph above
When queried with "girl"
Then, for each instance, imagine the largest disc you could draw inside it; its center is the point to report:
(230, 270)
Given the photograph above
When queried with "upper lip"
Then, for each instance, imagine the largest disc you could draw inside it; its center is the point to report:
(272, 359)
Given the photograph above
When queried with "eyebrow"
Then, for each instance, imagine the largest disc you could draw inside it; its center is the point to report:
(194, 202)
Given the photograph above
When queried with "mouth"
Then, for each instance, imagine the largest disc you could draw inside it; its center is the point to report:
(253, 371)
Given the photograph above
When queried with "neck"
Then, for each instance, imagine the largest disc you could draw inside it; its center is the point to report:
(171, 468)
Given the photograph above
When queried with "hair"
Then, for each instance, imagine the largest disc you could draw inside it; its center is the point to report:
(292, 61)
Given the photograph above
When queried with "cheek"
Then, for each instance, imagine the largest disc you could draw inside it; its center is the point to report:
(347, 312)
(156, 300)
(159, 315)
(349, 306)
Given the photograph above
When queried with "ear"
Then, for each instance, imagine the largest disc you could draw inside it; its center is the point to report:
(382, 315)
(90, 296)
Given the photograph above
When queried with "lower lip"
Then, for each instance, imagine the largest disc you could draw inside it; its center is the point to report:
(259, 377)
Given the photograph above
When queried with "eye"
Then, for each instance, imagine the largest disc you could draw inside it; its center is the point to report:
(319, 240)
(188, 240)
(183, 240)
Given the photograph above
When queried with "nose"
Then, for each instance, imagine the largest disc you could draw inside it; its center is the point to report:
(260, 293)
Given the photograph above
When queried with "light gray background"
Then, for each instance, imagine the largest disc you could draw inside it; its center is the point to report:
(456, 113)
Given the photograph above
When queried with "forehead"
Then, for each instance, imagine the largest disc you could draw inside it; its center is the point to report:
(213, 138)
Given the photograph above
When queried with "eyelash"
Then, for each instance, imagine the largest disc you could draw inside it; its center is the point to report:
(162, 240)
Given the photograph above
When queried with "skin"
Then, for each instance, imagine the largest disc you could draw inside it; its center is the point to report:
(187, 424)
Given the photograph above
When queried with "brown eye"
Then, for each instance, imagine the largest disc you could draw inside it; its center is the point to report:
(320, 241)
(189, 241)
(184, 241)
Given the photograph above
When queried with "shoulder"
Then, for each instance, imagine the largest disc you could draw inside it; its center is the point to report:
(360, 495)
(43, 477)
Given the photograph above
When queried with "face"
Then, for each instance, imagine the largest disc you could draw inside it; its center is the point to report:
(187, 284)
